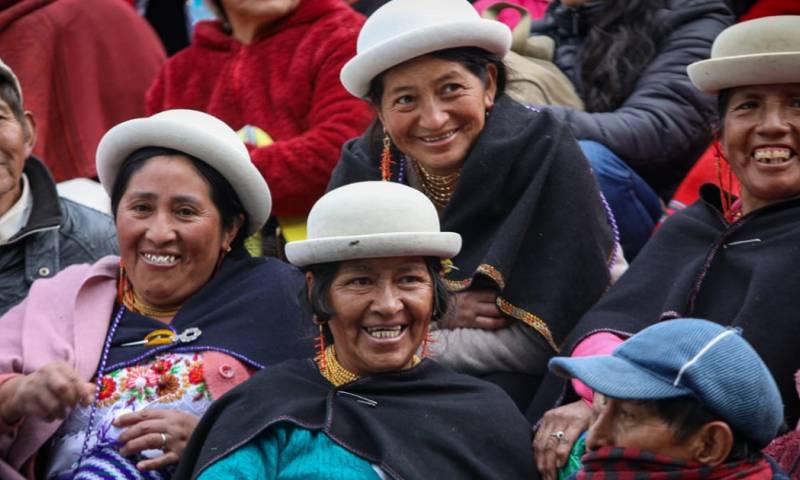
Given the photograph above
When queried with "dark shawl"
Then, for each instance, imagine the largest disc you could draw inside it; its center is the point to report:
(529, 214)
(425, 422)
(248, 309)
(745, 274)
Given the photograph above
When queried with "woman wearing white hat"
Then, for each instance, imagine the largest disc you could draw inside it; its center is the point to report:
(369, 407)
(510, 180)
(730, 260)
(106, 368)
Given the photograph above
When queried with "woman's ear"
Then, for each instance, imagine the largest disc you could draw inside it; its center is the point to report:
(491, 86)
(712, 444)
(229, 234)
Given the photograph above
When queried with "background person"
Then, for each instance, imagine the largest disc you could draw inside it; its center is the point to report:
(106, 368)
(269, 69)
(644, 124)
(369, 407)
(724, 259)
(688, 397)
(511, 181)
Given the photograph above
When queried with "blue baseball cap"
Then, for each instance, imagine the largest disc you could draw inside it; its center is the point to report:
(688, 357)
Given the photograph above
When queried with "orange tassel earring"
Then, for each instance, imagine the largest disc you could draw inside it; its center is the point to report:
(425, 351)
(386, 158)
(320, 347)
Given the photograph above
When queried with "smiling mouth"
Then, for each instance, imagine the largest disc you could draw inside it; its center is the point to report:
(773, 155)
(385, 332)
(440, 137)
(160, 260)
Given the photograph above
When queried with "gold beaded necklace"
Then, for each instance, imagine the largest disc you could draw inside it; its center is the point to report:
(437, 187)
(334, 372)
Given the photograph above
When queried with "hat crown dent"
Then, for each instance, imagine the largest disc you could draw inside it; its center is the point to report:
(210, 125)
(763, 36)
(370, 208)
(399, 17)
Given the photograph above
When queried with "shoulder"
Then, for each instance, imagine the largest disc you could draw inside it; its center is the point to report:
(680, 13)
(66, 283)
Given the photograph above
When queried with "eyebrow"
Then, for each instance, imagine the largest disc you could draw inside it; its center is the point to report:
(442, 78)
(152, 196)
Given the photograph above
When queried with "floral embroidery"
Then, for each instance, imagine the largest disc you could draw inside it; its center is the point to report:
(139, 383)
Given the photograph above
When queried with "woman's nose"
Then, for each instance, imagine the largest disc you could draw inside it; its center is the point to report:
(387, 301)
(160, 230)
(774, 120)
(600, 433)
(433, 116)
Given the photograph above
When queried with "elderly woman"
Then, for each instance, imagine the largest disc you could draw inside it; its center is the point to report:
(727, 260)
(269, 69)
(368, 407)
(106, 368)
(684, 398)
(511, 181)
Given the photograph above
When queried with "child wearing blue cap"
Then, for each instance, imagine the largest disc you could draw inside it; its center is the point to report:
(686, 397)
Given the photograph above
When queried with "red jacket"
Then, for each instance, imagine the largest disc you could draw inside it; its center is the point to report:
(286, 83)
(84, 66)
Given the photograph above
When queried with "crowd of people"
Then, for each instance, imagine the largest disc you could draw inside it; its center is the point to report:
(328, 239)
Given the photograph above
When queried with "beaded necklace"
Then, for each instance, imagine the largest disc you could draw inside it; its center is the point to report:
(334, 372)
(438, 188)
(127, 297)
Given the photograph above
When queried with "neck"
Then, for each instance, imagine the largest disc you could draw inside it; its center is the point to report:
(10, 198)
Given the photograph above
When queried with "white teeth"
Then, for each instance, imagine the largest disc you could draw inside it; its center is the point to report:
(159, 259)
(772, 155)
(385, 332)
(442, 137)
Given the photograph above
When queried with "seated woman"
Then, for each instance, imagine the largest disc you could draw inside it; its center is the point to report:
(511, 181)
(368, 408)
(269, 69)
(683, 398)
(644, 124)
(728, 260)
(105, 369)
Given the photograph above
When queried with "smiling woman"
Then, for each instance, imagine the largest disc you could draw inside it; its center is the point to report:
(510, 180)
(146, 342)
(373, 266)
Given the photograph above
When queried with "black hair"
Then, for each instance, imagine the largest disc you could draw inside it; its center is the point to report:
(10, 95)
(686, 415)
(319, 296)
(623, 39)
(474, 59)
(223, 195)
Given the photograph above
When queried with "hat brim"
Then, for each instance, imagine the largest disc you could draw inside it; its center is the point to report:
(380, 245)
(489, 35)
(616, 377)
(224, 157)
(717, 74)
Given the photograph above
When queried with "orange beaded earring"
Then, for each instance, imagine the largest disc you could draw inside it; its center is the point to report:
(386, 158)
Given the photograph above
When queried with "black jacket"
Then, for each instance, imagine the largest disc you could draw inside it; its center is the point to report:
(59, 233)
(665, 124)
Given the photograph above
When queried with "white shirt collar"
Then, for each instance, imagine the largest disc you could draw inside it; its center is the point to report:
(17, 216)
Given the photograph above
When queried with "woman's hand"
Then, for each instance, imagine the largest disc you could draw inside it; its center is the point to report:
(154, 429)
(475, 308)
(551, 452)
(50, 392)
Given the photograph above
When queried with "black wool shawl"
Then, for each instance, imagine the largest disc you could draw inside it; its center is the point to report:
(745, 274)
(423, 422)
(529, 213)
(249, 309)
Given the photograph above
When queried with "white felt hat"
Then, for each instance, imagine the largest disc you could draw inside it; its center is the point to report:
(197, 134)
(372, 220)
(404, 29)
(764, 51)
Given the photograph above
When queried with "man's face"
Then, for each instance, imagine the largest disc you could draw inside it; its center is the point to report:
(16, 142)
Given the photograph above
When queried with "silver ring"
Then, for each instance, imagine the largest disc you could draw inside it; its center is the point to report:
(163, 441)
(559, 435)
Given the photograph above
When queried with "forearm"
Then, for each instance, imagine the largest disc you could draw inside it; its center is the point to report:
(517, 348)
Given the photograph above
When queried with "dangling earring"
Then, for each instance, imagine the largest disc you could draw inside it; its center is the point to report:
(386, 158)
(124, 291)
(425, 351)
(319, 346)
(725, 191)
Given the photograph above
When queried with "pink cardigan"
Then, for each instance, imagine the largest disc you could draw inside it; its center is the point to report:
(66, 318)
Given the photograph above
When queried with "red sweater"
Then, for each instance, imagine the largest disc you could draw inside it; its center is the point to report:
(287, 84)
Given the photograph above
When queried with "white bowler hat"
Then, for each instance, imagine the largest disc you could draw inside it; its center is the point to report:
(197, 134)
(5, 71)
(404, 29)
(372, 220)
(764, 51)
